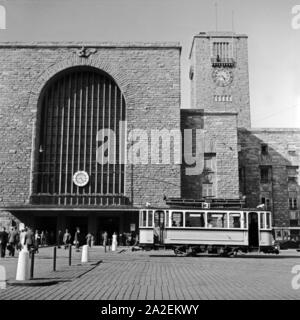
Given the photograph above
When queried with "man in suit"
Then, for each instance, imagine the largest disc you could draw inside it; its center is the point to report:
(29, 239)
(13, 241)
(3, 241)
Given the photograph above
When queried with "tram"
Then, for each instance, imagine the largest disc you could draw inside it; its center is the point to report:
(214, 231)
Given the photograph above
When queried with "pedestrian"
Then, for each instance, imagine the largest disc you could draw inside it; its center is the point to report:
(29, 239)
(89, 239)
(67, 239)
(37, 241)
(77, 239)
(3, 241)
(22, 238)
(93, 241)
(13, 239)
(104, 237)
(59, 239)
(43, 239)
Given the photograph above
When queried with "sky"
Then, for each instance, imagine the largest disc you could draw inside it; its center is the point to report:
(274, 45)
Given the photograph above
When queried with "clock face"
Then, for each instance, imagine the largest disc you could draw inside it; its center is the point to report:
(81, 178)
(222, 77)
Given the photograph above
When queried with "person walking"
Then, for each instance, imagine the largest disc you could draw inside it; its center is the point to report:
(104, 237)
(3, 241)
(13, 239)
(67, 239)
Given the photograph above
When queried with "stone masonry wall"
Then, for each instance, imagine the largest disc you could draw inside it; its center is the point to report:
(279, 158)
(220, 139)
(148, 76)
(203, 87)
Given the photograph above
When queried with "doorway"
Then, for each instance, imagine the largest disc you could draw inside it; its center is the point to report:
(108, 224)
(78, 222)
(159, 226)
(253, 231)
(49, 226)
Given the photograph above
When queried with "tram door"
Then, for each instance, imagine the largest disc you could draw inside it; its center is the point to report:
(253, 232)
(159, 226)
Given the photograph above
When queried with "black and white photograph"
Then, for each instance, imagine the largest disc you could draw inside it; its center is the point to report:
(149, 153)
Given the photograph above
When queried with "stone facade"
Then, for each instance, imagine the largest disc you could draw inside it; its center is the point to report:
(278, 150)
(148, 76)
(203, 87)
(220, 137)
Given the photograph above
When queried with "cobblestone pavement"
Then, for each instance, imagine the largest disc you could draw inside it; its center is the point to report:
(160, 275)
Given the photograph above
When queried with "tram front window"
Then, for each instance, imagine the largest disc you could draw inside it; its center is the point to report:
(217, 220)
(194, 219)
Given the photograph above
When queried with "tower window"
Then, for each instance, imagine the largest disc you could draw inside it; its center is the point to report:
(223, 98)
(293, 201)
(264, 149)
(265, 174)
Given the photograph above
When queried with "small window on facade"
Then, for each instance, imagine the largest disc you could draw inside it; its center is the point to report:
(292, 172)
(265, 174)
(177, 219)
(207, 190)
(194, 219)
(264, 149)
(293, 203)
(235, 220)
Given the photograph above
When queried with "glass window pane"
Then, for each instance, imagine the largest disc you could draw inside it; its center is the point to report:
(234, 220)
(194, 219)
(167, 218)
(150, 218)
(177, 219)
(262, 221)
(144, 219)
(268, 220)
(216, 220)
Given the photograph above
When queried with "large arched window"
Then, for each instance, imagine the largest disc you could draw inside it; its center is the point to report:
(75, 105)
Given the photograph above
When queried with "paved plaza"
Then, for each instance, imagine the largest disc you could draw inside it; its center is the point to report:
(155, 275)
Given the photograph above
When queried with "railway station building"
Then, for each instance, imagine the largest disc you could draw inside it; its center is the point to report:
(60, 102)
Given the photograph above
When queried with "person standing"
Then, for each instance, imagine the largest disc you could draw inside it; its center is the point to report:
(77, 239)
(29, 239)
(37, 241)
(89, 239)
(13, 241)
(3, 241)
(22, 238)
(67, 239)
(59, 239)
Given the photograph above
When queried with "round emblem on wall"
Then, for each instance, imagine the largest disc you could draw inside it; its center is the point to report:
(81, 178)
(222, 77)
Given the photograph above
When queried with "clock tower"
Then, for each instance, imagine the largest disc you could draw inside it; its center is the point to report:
(219, 74)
